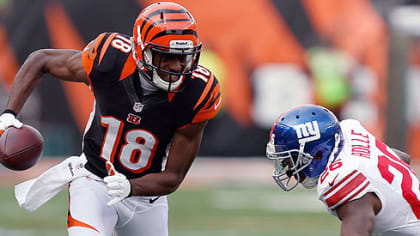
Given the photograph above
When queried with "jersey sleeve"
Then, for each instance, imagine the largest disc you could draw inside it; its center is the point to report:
(341, 186)
(199, 101)
(107, 58)
(89, 55)
(209, 102)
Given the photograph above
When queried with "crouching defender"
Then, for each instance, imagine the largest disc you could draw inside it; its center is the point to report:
(367, 185)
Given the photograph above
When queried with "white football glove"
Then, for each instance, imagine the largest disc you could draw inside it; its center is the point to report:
(8, 119)
(118, 185)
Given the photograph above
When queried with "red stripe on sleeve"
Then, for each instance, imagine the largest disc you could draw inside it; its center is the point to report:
(345, 190)
(341, 182)
(355, 194)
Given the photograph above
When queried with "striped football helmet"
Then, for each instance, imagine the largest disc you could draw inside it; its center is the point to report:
(162, 32)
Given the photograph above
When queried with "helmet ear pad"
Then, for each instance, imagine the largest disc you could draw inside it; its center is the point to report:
(320, 154)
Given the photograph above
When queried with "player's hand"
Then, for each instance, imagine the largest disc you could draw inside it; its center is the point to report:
(118, 185)
(7, 120)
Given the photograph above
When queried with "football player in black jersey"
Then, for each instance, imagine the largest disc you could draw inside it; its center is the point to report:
(152, 101)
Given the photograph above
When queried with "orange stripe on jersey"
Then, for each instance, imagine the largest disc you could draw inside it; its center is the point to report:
(185, 126)
(129, 67)
(345, 190)
(206, 90)
(105, 46)
(71, 222)
(89, 55)
(171, 96)
(214, 99)
(204, 115)
(211, 108)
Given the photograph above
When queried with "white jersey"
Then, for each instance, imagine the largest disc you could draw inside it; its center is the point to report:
(367, 165)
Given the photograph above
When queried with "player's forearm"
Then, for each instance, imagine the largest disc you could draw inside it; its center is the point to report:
(357, 227)
(355, 233)
(155, 184)
(183, 150)
(26, 80)
(355, 230)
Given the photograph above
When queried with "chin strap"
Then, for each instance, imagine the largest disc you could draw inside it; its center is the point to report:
(156, 80)
(162, 84)
(133, 49)
(331, 158)
(310, 182)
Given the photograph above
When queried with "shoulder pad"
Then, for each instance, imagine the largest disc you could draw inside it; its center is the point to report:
(341, 182)
(350, 124)
(90, 52)
(105, 57)
(202, 73)
(210, 99)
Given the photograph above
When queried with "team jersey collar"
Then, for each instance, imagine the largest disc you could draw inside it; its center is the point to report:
(146, 85)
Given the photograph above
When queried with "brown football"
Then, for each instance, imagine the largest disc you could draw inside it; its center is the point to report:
(20, 149)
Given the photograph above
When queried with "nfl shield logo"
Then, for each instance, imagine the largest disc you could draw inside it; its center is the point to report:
(138, 107)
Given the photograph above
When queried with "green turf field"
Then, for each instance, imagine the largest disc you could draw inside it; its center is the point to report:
(224, 210)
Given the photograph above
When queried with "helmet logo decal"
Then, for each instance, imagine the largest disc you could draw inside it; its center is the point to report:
(307, 132)
(181, 44)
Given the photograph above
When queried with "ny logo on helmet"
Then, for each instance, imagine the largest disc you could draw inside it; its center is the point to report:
(307, 132)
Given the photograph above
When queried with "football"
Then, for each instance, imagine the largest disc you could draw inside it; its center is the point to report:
(20, 149)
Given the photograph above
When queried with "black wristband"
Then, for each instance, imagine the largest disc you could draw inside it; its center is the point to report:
(10, 111)
(131, 190)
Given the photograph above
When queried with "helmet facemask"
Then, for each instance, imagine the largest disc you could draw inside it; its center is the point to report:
(288, 165)
(166, 46)
(304, 167)
(153, 55)
(309, 137)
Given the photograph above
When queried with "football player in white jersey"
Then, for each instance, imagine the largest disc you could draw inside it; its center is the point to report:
(367, 185)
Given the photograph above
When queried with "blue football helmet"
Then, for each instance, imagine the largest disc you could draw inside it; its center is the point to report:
(302, 142)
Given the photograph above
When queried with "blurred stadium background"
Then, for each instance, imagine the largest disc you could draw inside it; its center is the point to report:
(359, 58)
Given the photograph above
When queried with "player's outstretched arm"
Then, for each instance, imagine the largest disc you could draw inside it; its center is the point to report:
(184, 148)
(358, 216)
(63, 64)
(402, 155)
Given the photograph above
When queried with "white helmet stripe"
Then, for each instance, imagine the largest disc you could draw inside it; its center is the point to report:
(139, 38)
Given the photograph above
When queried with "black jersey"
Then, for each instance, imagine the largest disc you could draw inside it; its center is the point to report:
(129, 129)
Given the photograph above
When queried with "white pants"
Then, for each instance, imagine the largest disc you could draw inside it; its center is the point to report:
(89, 214)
